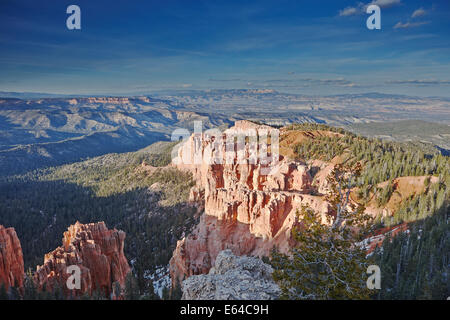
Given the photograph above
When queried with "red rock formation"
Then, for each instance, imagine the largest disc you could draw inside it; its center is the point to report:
(376, 240)
(96, 250)
(11, 259)
(247, 210)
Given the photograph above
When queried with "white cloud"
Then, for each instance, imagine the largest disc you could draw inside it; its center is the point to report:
(386, 3)
(302, 83)
(349, 11)
(360, 7)
(224, 80)
(420, 82)
(418, 13)
(407, 25)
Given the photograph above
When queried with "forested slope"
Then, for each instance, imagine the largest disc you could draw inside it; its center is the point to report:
(415, 264)
(149, 205)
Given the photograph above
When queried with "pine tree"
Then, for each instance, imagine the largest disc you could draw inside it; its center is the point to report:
(166, 293)
(3, 292)
(326, 263)
(30, 290)
(131, 288)
(176, 292)
(13, 293)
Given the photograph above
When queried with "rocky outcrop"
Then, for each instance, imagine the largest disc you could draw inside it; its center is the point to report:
(96, 250)
(250, 204)
(233, 278)
(376, 240)
(11, 259)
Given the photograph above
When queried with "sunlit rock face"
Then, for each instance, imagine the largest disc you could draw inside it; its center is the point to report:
(233, 278)
(11, 259)
(96, 250)
(250, 205)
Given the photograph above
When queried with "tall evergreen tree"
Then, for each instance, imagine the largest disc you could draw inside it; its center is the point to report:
(3, 292)
(326, 263)
(131, 287)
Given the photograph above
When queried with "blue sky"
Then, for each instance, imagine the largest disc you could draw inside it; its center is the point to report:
(309, 47)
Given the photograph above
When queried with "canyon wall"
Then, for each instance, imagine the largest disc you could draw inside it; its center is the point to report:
(96, 250)
(250, 203)
(11, 259)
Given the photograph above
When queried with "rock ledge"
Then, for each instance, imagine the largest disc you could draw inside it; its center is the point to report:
(233, 278)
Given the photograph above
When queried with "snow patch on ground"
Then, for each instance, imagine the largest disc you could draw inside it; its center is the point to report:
(160, 278)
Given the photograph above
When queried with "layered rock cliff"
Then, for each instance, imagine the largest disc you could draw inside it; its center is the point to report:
(233, 278)
(11, 259)
(96, 250)
(250, 203)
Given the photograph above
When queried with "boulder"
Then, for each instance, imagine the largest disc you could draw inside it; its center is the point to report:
(233, 278)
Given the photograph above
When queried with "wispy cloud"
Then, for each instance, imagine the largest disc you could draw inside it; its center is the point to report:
(291, 82)
(407, 25)
(224, 80)
(350, 11)
(302, 83)
(360, 7)
(336, 82)
(418, 13)
(420, 82)
(386, 3)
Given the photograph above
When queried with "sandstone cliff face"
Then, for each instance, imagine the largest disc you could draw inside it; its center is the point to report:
(96, 250)
(248, 208)
(11, 259)
(233, 278)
